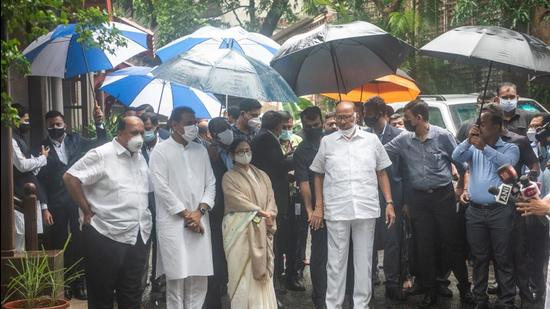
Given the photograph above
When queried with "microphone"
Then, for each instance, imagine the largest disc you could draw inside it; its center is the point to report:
(503, 194)
(507, 173)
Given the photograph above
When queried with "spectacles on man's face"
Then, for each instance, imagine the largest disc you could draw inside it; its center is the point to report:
(242, 152)
(344, 117)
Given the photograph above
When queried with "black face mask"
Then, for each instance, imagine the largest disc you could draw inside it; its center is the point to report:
(409, 126)
(56, 133)
(371, 121)
(24, 128)
(313, 134)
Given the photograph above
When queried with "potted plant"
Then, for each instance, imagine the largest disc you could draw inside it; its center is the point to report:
(35, 284)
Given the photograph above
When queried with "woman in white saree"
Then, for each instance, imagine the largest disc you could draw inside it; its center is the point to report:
(248, 229)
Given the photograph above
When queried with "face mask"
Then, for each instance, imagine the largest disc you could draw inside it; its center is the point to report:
(135, 143)
(226, 137)
(348, 132)
(191, 132)
(243, 158)
(286, 135)
(371, 121)
(508, 105)
(313, 134)
(254, 122)
(149, 136)
(24, 127)
(531, 133)
(409, 126)
(56, 133)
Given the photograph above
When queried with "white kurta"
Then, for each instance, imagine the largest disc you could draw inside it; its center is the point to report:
(182, 179)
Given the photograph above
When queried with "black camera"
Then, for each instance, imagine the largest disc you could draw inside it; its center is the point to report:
(543, 133)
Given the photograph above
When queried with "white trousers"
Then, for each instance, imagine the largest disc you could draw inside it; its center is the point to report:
(188, 293)
(362, 234)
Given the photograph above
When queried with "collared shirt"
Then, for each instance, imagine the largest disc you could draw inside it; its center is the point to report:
(60, 150)
(240, 134)
(484, 165)
(429, 160)
(303, 157)
(116, 186)
(519, 123)
(350, 187)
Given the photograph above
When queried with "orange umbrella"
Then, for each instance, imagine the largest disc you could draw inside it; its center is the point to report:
(392, 88)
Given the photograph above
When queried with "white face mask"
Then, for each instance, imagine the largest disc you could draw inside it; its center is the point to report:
(191, 133)
(254, 122)
(348, 132)
(243, 158)
(508, 105)
(135, 143)
(531, 134)
(226, 137)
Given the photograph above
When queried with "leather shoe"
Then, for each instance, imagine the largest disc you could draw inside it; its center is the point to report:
(429, 300)
(415, 290)
(280, 304)
(394, 293)
(444, 291)
(295, 285)
(80, 293)
(493, 288)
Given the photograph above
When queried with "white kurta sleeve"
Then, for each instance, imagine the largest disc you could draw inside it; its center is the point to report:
(209, 195)
(23, 164)
(158, 175)
(89, 169)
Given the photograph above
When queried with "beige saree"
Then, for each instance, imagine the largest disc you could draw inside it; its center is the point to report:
(248, 241)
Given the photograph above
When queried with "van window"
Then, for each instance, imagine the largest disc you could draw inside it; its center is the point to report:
(529, 106)
(436, 118)
(462, 113)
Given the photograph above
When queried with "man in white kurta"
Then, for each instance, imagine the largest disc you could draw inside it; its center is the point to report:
(184, 187)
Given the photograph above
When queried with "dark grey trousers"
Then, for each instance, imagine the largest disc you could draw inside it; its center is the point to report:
(318, 265)
(491, 231)
(389, 239)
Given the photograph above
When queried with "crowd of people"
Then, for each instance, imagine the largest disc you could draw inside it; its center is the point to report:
(223, 207)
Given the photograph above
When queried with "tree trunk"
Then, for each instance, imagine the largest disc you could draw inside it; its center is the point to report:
(273, 16)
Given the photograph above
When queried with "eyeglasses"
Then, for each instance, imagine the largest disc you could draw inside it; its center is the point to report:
(242, 152)
(344, 117)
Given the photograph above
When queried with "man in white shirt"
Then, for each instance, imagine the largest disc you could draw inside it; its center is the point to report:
(350, 166)
(185, 189)
(110, 185)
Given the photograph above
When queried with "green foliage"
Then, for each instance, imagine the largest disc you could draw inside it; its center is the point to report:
(110, 124)
(34, 278)
(177, 18)
(29, 19)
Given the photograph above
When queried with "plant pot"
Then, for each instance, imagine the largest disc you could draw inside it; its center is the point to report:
(41, 304)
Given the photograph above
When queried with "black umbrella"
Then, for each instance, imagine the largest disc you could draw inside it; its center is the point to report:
(338, 58)
(491, 46)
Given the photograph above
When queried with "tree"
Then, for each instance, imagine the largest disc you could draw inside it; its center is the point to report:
(27, 20)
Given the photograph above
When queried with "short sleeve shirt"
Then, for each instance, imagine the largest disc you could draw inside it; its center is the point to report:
(350, 188)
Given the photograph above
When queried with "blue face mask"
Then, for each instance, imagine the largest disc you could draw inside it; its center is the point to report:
(286, 135)
(149, 136)
(508, 105)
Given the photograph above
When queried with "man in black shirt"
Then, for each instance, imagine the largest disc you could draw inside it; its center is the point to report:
(248, 123)
(303, 157)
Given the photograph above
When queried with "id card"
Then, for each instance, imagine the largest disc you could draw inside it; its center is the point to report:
(297, 209)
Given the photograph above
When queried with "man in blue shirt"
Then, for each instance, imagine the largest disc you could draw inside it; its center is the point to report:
(489, 225)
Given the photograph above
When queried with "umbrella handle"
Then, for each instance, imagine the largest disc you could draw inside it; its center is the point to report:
(478, 121)
(333, 58)
(88, 71)
(161, 93)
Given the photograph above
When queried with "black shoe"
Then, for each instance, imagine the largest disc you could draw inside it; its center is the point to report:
(430, 299)
(415, 290)
(466, 296)
(444, 291)
(80, 293)
(394, 293)
(504, 306)
(295, 285)
(280, 304)
(376, 278)
(527, 302)
(483, 305)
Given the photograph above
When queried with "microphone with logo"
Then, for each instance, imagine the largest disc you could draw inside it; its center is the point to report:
(509, 189)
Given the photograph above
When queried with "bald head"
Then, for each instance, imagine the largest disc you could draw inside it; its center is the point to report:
(129, 127)
(345, 115)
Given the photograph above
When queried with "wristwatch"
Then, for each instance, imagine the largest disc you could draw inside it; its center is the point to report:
(203, 210)
(389, 203)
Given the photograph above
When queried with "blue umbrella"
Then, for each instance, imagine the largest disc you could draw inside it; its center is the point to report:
(135, 86)
(59, 54)
(251, 44)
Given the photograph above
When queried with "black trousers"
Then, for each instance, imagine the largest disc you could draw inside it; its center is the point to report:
(537, 245)
(280, 249)
(520, 255)
(389, 239)
(113, 269)
(217, 284)
(65, 218)
(489, 235)
(435, 223)
(297, 240)
(318, 265)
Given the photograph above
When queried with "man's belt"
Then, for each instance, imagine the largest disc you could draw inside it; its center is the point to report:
(486, 206)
